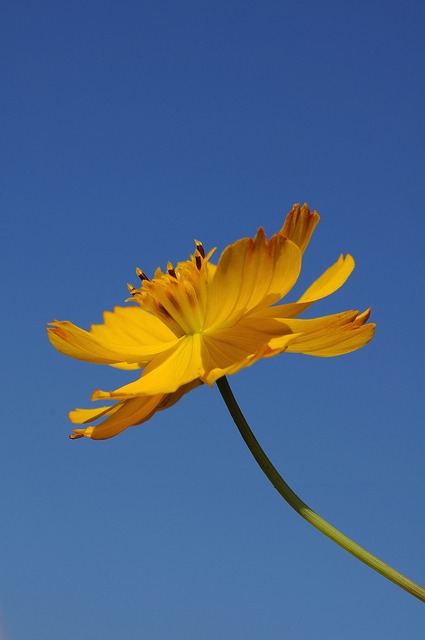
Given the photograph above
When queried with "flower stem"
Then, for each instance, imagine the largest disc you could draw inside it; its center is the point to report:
(304, 510)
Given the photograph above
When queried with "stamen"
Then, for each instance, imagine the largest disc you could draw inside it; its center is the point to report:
(198, 261)
(170, 270)
(132, 289)
(142, 275)
(200, 248)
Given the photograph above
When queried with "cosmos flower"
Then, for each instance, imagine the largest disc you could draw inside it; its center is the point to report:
(198, 321)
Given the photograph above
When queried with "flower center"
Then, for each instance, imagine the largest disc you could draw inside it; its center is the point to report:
(178, 296)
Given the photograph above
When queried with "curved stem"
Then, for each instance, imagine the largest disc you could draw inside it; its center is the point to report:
(302, 508)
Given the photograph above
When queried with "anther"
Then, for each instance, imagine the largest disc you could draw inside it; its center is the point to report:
(170, 270)
(142, 275)
(198, 262)
(132, 290)
(200, 248)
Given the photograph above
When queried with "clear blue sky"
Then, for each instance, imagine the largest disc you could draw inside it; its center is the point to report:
(129, 129)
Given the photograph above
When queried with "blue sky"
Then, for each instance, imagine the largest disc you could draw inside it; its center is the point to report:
(129, 129)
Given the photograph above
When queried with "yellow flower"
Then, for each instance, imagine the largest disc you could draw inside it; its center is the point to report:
(197, 322)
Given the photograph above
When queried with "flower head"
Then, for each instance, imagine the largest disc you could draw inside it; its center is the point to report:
(198, 321)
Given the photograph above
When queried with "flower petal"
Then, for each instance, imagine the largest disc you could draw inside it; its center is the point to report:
(83, 416)
(299, 225)
(347, 332)
(312, 325)
(131, 327)
(251, 273)
(128, 336)
(263, 352)
(330, 281)
(229, 350)
(124, 414)
(128, 413)
(166, 372)
(286, 310)
(77, 343)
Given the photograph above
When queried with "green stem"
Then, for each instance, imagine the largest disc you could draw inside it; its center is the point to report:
(304, 510)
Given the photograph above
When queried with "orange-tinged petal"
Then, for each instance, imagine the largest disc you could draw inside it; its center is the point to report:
(311, 325)
(251, 273)
(77, 343)
(165, 373)
(129, 336)
(128, 413)
(335, 344)
(343, 336)
(125, 414)
(330, 281)
(299, 225)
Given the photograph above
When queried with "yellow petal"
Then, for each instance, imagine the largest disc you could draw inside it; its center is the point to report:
(299, 225)
(251, 273)
(129, 336)
(286, 310)
(330, 281)
(224, 347)
(264, 351)
(83, 416)
(131, 327)
(228, 350)
(165, 373)
(128, 367)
